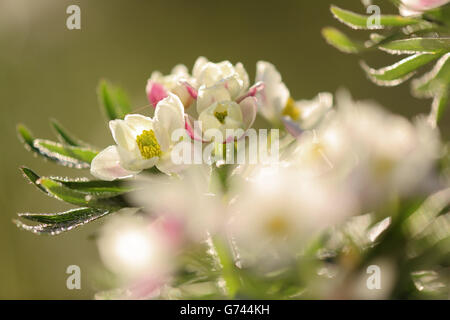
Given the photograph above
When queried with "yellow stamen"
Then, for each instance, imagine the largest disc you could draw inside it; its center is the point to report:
(148, 144)
(221, 116)
(277, 226)
(382, 166)
(291, 110)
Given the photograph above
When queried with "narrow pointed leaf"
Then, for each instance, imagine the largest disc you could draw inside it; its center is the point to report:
(26, 137)
(417, 45)
(70, 156)
(63, 136)
(32, 177)
(439, 105)
(359, 21)
(98, 188)
(113, 100)
(60, 222)
(440, 15)
(341, 42)
(61, 192)
(399, 72)
(66, 216)
(434, 82)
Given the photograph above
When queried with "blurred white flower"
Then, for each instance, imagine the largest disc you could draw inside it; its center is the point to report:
(374, 151)
(276, 212)
(184, 202)
(276, 104)
(138, 251)
(142, 142)
(415, 7)
(177, 82)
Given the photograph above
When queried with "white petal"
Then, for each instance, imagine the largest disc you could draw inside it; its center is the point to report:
(166, 165)
(198, 66)
(273, 98)
(248, 109)
(180, 70)
(123, 135)
(106, 166)
(138, 122)
(134, 161)
(312, 111)
(208, 121)
(169, 116)
(243, 75)
(208, 96)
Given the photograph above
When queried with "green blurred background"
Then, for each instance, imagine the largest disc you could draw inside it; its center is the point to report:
(48, 71)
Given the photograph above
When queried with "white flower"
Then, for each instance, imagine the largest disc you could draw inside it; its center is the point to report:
(415, 7)
(159, 86)
(218, 110)
(184, 202)
(207, 74)
(141, 142)
(377, 153)
(278, 211)
(276, 104)
(224, 99)
(134, 248)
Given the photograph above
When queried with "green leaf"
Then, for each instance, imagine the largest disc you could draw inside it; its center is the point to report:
(98, 188)
(51, 218)
(61, 192)
(434, 82)
(358, 21)
(439, 105)
(427, 212)
(70, 156)
(229, 270)
(113, 100)
(440, 15)
(33, 178)
(399, 72)
(26, 137)
(56, 223)
(416, 45)
(341, 42)
(63, 136)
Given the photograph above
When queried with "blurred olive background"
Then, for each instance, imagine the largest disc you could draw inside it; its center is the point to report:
(48, 71)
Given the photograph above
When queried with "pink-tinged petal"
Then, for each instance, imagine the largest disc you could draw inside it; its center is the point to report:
(194, 133)
(292, 127)
(155, 92)
(248, 109)
(172, 229)
(257, 87)
(146, 288)
(106, 166)
(190, 89)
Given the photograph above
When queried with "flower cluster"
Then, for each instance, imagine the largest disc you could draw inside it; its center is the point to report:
(337, 162)
(224, 103)
(237, 189)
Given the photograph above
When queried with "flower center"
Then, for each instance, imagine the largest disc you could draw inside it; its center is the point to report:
(382, 166)
(148, 145)
(277, 226)
(291, 110)
(221, 116)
